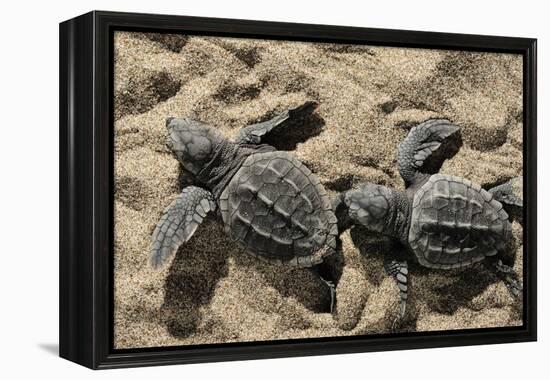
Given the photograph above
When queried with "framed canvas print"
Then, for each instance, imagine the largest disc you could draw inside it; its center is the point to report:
(237, 189)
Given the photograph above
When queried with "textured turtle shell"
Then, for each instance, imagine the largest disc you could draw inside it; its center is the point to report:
(455, 223)
(278, 211)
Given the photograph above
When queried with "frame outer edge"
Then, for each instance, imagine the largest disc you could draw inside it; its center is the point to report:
(530, 129)
(76, 335)
(85, 213)
(65, 322)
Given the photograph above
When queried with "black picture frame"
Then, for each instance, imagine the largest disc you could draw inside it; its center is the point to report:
(86, 189)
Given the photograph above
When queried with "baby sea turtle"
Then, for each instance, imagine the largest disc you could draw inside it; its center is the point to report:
(270, 203)
(445, 221)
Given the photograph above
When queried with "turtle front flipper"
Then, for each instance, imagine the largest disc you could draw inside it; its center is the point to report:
(178, 223)
(255, 133)
(420, 143)
(510, 192)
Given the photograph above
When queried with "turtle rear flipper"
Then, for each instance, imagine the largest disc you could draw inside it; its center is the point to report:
(178, 223)
(510, 192)
(399, 270)
(255, 133)
(510, 278)
(420, 143)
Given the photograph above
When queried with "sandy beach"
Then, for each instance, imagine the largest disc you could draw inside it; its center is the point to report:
(368, 97)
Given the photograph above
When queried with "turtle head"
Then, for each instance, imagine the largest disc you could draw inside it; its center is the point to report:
(370, 206)
(193, 142)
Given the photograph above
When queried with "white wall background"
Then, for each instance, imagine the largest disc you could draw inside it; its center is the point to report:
(29, 186)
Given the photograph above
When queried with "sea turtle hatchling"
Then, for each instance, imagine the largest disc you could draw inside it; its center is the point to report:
(270, 203)
(445, 221)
